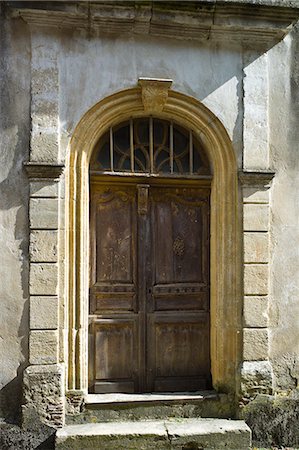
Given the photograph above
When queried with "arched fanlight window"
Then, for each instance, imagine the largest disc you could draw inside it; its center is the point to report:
(150, 146)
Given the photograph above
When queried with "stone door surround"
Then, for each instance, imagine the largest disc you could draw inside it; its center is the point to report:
(156, 97)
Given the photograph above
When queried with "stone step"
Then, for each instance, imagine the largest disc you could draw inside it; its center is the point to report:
(176, 434)
(134, 407)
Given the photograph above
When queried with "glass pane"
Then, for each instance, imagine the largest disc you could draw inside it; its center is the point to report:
(200, 161)
(161, 149)
(101, 158)
(161, 132)
(141, 131)
(162, 160)
(181, 149)
(141, 159)
(121, 142)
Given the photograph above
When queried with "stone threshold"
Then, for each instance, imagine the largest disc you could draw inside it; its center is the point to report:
(160, 434)
(104, 399)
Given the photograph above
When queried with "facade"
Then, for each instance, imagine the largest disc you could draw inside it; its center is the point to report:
(149, 217)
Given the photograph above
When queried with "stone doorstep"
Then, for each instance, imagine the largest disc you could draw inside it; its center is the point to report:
(169, 397)
(201, 434)
(119, 407)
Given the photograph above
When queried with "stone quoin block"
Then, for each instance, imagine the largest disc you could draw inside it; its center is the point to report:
(43, 347)
(44, 145)
(256, 279)
(255, 312)
(256, 247)
(254, 194)
(43, 312)
(44, 115)
(44, 189)
(44, 82)
(43, 213)
(256, 148)
(255, 344)
(43, 396)
(43, 279)
(256, 378)
(256, 217)
(43, 246)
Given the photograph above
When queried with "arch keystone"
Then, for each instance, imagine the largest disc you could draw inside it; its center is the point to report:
(154, 93)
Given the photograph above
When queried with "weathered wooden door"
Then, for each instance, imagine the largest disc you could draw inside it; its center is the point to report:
(149, 292)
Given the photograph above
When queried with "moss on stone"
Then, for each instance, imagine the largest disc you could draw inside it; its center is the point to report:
(274, 419)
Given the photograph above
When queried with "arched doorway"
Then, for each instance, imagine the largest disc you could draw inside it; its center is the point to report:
(149, 321)
(225, 235)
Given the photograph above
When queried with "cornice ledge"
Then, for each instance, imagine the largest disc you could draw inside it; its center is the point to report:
(248, 22)
(256, 177)
(43, 170)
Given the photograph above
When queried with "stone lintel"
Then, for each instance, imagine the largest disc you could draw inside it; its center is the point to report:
(256, 177)
(36, 170)
(235, 20)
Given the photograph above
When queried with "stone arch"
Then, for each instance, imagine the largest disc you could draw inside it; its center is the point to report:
(225, 233)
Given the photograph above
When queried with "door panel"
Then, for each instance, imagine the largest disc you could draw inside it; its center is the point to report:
(115, 354)
(178, 340)
(179, 356)
(114, 321)
(149, 294)
(113, 249)
(179, 221)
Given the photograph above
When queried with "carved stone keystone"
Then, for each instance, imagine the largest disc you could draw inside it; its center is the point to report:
(154, 92)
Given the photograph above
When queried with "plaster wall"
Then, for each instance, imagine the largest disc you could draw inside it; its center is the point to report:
(14, 149)
(101, 66)
(284, 157)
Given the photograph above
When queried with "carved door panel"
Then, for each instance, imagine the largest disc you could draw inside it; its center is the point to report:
(149, 294)
(178, 295)
(114, 318)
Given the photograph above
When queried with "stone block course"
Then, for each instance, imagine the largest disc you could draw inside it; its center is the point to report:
(256, 247)
(256, 378)
(255, 311)
(44, 145)
(44, 189)
(256, 279)
(43, 213)
(252, 194)
(43, 347)
(43, 246)
(43, 395)
(255, 132)
(256, 217)
(255, 344)
(43, 312)
(43, 279)
(44, 81)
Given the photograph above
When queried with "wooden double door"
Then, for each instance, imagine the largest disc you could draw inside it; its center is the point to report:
(149, 321)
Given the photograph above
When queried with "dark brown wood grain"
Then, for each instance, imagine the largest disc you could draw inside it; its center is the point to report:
(149, 288)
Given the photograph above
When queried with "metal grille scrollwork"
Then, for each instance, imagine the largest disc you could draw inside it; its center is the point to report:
(150, 146)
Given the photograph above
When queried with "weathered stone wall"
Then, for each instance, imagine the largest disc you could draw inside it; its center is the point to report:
(49, 79)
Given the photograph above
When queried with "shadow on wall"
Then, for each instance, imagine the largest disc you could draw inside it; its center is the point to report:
(14, 195)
